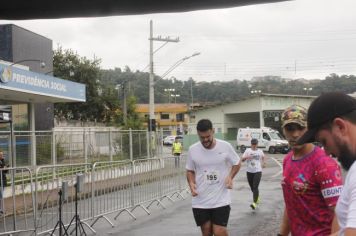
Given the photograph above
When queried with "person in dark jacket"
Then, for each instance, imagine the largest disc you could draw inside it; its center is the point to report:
(3, 180)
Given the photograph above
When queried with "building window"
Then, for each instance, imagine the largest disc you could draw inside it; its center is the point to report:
(164, 116)
(180, 117)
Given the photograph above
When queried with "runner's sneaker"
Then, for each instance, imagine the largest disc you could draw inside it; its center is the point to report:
(253, 206)
(258, 200)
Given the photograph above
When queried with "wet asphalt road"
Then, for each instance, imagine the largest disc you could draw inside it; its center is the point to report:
(177, 218)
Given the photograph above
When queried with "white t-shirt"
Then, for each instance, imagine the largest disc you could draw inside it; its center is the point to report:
(254, 158)
(346, 205)
(211, 167)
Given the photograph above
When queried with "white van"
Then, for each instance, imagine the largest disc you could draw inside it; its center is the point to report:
(268, 139)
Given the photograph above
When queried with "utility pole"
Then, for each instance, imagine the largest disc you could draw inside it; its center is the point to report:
(125, 102)
(152, 120)
(123, 87)
(191, 89)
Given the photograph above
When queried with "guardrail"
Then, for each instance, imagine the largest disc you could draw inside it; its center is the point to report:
(17, 205)
(109, 188)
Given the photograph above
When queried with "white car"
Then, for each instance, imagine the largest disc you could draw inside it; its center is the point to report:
(169, 140)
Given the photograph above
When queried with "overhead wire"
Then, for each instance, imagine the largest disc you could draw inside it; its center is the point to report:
(316, 64)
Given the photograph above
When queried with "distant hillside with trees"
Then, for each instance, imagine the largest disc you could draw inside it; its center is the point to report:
(223, 91)
(106, 89)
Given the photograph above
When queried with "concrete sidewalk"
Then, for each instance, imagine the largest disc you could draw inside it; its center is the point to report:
(177, 218)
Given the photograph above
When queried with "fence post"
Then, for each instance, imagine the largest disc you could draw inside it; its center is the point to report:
(85, 146)
(180, 173)
(12, 147)
(13, 200)
(132, 184)
(110, 144)
(33, 149)
(148, 144)
(32, 137)
(70, 146)
(160, 175)
(93, 178)
(122, 150)
(161, 142)
(35, 200)
(131, 148)
(139, 144)
(54, 158)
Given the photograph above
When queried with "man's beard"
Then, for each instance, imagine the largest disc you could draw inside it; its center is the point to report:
(346, 157)
(208, 144)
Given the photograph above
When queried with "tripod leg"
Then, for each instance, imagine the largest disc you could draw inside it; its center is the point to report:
(65, 230)
(81, 226)
(70, 224)
(55, 227)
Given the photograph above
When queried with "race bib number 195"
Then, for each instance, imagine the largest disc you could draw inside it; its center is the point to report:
(212, 177)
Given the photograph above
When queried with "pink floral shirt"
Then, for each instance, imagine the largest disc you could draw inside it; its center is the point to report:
(311, 187)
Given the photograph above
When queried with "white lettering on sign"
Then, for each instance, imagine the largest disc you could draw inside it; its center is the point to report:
(58, 86)
(37, 82)
(332, 192)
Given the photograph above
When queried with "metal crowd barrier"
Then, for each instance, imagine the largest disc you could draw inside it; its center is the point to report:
(17, 212)
(49, 180)
(31, 204)
(112, 189)
(147, 183)
(173, 177)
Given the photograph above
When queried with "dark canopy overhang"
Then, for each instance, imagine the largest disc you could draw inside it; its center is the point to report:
(47, 9)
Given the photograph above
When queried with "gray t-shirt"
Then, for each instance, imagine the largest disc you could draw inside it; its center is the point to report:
(211, 167)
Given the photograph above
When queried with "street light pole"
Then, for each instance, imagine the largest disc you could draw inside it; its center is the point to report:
(175, 65)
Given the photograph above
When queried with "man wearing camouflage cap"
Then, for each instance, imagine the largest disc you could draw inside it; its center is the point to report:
(311, 181)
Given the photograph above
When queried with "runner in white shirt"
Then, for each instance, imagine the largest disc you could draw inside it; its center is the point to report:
(254, 156)
(346, 205)
(211, 166)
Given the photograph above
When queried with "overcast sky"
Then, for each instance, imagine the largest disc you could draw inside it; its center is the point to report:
(297, 39)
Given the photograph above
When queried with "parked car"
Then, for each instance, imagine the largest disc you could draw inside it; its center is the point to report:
(169, 140)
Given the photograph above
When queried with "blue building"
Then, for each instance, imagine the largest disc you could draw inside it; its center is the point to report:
(27, 90)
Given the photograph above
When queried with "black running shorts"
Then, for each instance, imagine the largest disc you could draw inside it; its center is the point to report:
(218, 216)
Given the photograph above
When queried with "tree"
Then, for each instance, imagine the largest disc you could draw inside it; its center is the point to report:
(133, 119)
(101, 100)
